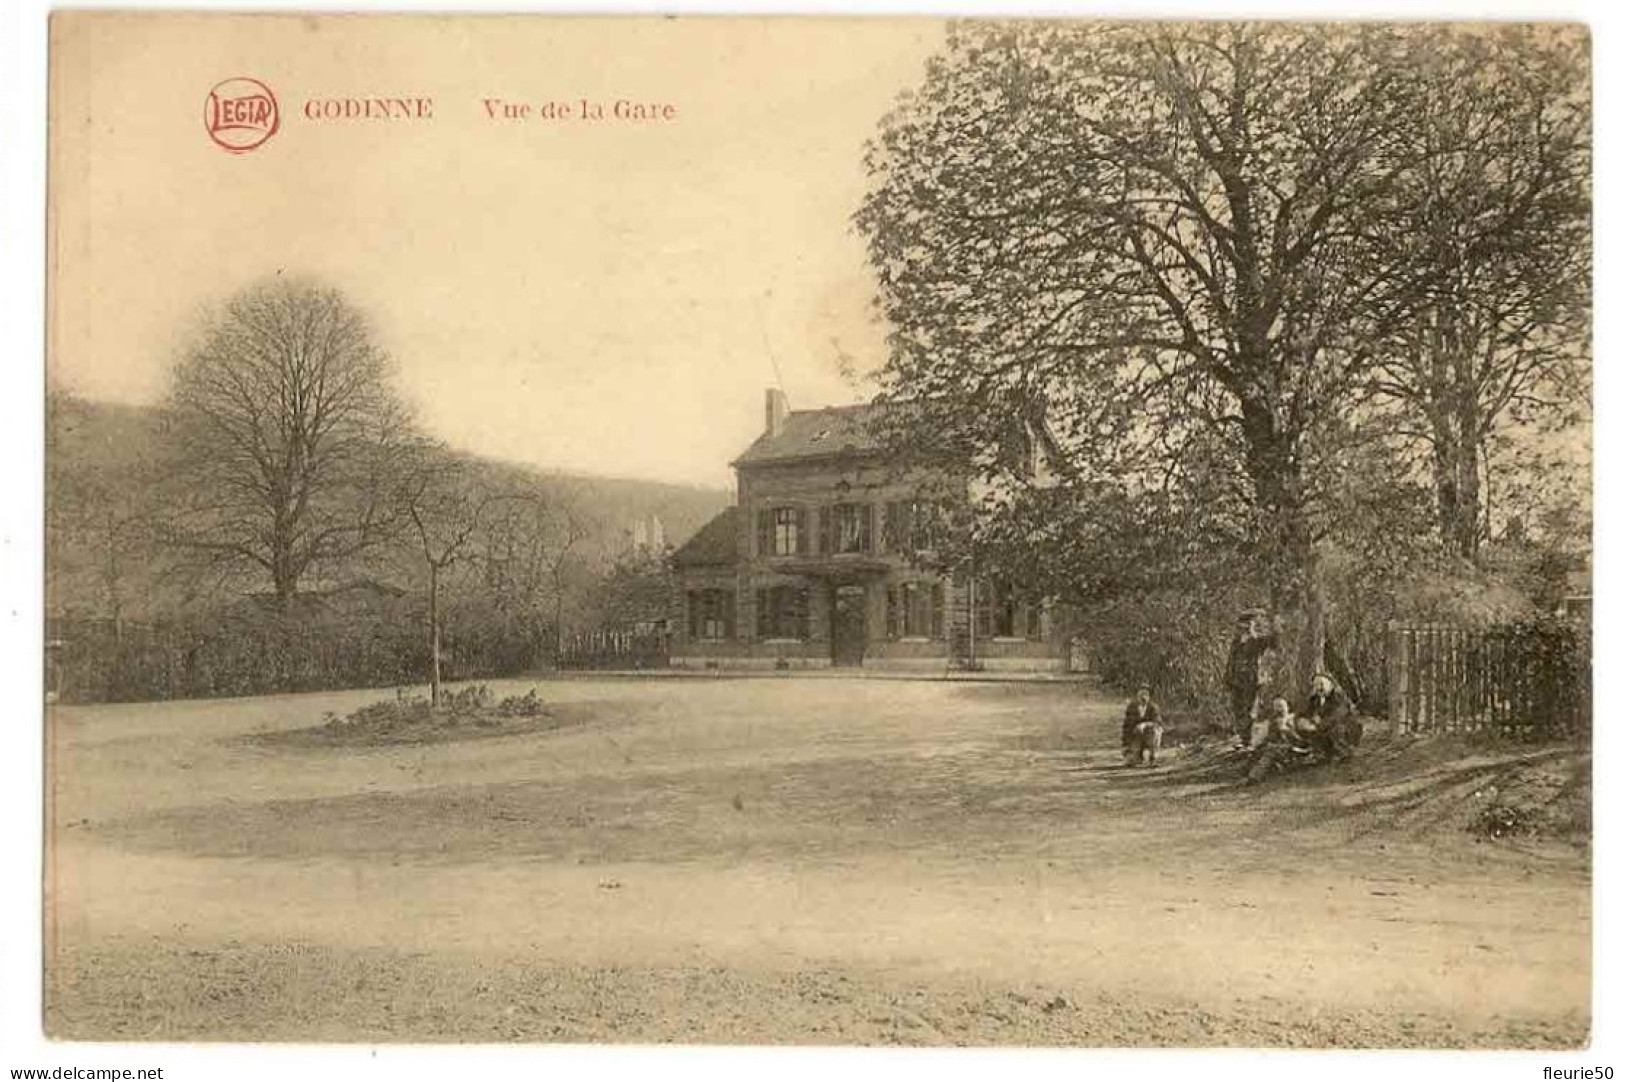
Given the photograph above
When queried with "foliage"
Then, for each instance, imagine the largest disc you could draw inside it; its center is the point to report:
(635, 593)
(1177, 641)
(1491, 218)
(411, 719)
(104, 559)
(1188, 260)
(248, 649)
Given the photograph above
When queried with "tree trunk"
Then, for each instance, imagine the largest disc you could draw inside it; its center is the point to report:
(1295, 574)
(1454, 416)
(558, 626)
(1311, 645)
(434, 637)
(284, 580)
(1457, 480)
(1447, 483)
(1468, 484)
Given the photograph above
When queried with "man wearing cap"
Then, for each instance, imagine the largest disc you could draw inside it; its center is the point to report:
(1142, 728)
(1246, 671)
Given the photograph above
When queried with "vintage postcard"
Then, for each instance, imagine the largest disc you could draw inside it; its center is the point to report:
(818, 531)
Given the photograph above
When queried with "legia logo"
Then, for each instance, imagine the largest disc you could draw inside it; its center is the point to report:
(241, 114)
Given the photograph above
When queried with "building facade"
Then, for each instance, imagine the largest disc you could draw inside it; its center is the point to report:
(819, 563)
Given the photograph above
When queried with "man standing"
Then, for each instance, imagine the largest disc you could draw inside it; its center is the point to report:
(1142, 728)
(1247, 672)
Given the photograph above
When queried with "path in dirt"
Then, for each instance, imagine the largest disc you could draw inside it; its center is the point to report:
(918, 836)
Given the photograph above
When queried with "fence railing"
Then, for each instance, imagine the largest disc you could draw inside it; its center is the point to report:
(1522, 680)
(616, 650)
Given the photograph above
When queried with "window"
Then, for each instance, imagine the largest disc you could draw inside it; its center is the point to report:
(711, 614)
(852, 528)
(1035, 621)
(786, 531)
(1003, 613)
(781, 531)
(914, 610)
(1006, 613)
(781, 612)
(913, 526)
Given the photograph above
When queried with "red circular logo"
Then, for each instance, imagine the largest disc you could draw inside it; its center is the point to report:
(240, 114)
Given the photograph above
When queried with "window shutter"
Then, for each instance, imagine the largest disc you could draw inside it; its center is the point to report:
(937, 607)
(693, 614)
(866, 527)
(764, 531)
(801, 598)
(824, 544)
(763, 622)
(729, 615)
(801, 531)
(891, 612)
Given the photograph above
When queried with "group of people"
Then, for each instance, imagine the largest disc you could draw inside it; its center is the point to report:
(1326, 729)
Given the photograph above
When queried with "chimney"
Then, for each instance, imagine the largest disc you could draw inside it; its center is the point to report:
(778, 407)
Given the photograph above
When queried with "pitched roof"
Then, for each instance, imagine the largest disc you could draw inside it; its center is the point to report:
(715, 545)
(821, 433)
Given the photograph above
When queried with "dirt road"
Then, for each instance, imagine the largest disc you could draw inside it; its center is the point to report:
(781, 860)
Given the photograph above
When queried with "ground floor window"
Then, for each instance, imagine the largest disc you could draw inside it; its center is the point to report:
(1004, 612)
(711, 614)
(914, 610)
(781, 612)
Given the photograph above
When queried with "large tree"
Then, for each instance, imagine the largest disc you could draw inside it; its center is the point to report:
(1166, 244)
(1492, 219)
(284, 428)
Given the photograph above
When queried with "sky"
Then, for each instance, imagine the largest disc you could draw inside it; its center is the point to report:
(602, 296)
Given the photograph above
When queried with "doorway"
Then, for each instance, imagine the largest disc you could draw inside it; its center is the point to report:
(849, 626)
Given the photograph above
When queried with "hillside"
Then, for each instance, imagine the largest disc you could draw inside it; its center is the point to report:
(100, 464)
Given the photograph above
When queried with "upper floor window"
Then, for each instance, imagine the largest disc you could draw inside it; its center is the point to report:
(914, 526)
(853, 528)
(781, 531)
(786, 531)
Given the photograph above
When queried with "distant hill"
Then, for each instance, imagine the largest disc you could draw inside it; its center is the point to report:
(99, 467)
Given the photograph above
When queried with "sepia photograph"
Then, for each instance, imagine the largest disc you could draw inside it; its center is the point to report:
(1042, 533)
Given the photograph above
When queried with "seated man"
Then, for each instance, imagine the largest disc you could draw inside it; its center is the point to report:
(1328, 723)
(1283, 743)
(1142, 728)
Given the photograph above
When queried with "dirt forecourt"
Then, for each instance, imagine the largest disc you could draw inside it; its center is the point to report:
(793, 861)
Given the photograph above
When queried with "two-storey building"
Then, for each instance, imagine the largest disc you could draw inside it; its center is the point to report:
(818, 563)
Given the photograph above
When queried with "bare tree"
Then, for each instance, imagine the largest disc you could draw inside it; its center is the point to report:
(98, 527)
(452, 515)
(564, 528)
(283, 424)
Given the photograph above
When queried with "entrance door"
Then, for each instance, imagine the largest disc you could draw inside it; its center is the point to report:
(849, 625)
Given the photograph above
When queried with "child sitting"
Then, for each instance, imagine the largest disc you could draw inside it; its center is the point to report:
(1142, 729)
